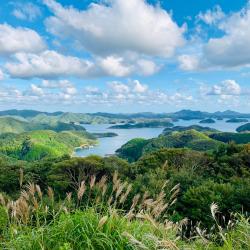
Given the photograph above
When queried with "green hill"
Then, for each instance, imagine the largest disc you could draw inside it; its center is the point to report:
(15, 125)
(244, 128)
(239, 138)
(187, 139)
(206, 130)
(191, 139)
(36, 145)
(72, 118)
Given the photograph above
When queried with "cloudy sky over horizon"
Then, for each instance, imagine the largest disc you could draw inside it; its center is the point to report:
(125, 56)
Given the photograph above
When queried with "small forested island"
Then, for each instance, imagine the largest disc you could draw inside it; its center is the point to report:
(237, 120)
(209, 120)
(107, 134)
(146, 124)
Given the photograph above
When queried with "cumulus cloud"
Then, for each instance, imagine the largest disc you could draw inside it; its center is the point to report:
(230, 50)
(226, 88)
(1, 75)
(139, 87)
(35, 90)
(47, 64)
(211, 16)
(133, 92)
(28, 11)
(117, 26)
(188, 62)
(14, 40)
(115, 66)
(64, 92)
(51, 64)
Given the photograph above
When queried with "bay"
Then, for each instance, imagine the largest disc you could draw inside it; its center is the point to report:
(108, 145)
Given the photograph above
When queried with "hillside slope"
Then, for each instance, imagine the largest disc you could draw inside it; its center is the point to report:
(178, 139)
(36, 145)
(15, 125)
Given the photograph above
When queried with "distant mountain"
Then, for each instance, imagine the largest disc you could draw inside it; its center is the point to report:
(189, 114)
(102, 117)
(145, 115)
(26, 113)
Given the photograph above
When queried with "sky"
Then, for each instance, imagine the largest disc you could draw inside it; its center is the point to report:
(125, 56)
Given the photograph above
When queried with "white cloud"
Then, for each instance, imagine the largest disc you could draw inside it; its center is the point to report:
(13, 40)
(188, 62)
(115, 66)
(226, 88)
(65, 86)
(37, 91)
(117, 26)
(118, 87)
(230, 50)
(147, 67)
(28, 11)
(211, 16)
(138, 87)
(1, 75)
(48, 64)
(51, 64)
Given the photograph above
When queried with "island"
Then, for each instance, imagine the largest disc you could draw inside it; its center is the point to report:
(148, 124)
(103, 135)
(209, 120)
(237, 120)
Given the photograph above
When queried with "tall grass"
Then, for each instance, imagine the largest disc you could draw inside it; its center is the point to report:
(104, 215)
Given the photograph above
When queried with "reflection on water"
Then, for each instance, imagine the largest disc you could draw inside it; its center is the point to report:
(109, 145)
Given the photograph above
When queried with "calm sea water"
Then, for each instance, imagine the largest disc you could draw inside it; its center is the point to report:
(109, 145)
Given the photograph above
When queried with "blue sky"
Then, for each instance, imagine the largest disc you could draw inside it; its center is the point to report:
(125, 56)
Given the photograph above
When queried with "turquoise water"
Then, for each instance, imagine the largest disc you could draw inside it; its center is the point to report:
(109, 145)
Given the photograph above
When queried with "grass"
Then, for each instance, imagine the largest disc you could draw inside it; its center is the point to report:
(95, 217)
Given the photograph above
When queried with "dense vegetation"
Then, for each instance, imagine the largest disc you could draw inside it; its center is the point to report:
(181, 183)
(190, 138)
(189, 188)
(17, 125)
(39, 144)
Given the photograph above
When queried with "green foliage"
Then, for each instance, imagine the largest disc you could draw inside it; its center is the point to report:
(198, 128)
(239, 138)
(3, 219)
(16, 125)
(192, 139)
(132, 150)
(36, 145)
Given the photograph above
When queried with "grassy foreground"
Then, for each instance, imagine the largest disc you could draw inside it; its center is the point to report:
(102, 215)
